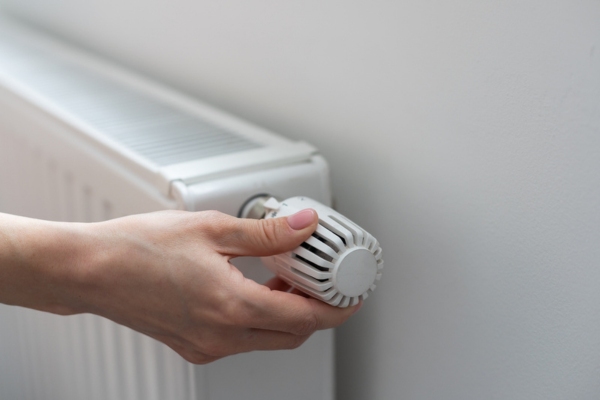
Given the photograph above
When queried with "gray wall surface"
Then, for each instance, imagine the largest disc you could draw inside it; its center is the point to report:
(464, 135)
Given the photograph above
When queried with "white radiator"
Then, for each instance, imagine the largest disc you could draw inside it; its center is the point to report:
(83, 140)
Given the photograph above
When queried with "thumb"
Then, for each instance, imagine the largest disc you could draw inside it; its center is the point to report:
(265, 237)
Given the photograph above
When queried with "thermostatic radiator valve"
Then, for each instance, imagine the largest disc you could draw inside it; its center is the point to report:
(338, 264)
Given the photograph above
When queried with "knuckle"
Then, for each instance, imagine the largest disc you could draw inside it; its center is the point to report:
(197, 358)
(211, 220)
(222, 230)
(297, 342)
(211, 214)
(269, 232)
(306, 325)
(232, 312)
(217, 340)
(215, 347)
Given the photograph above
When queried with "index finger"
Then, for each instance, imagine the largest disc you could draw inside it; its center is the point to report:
(289, 312)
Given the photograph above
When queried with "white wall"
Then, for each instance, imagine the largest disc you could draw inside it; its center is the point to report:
(465, 135)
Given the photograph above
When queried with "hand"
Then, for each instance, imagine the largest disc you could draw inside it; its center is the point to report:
(168, 275)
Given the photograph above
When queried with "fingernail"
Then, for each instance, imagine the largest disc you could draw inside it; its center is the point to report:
(301, 219)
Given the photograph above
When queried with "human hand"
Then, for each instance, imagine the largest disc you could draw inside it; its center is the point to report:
(168, 275)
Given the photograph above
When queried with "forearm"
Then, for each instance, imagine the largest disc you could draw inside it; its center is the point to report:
(41, 262)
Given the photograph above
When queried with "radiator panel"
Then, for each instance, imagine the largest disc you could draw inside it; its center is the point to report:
(86, 356)
(52, 167)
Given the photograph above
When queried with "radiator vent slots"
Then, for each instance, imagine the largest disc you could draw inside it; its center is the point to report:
(151, 128)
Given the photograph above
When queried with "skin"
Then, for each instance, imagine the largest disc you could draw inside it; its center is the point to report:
(166, 275)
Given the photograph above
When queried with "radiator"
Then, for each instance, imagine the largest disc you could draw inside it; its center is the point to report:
(84, 140)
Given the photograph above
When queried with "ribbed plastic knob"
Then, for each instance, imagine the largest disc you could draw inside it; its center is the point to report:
(338, 264)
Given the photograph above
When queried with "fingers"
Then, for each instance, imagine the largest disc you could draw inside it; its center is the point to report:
(250, 237)
(260, 339)
(277, 283)
(287, 312)
(243, 341)
(299, 293)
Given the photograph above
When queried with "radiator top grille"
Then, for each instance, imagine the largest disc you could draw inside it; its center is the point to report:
(149, 127)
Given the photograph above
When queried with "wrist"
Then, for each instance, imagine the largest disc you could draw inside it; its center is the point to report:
(42, 264)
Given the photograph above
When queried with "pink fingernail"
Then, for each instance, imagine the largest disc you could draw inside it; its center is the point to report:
(301, 219)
